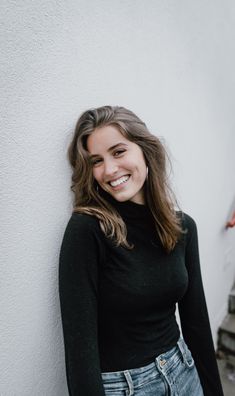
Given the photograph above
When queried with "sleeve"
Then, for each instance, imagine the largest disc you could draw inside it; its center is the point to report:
(80, 255)
(194, 317)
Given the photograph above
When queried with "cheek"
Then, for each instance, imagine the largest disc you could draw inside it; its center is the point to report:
(142, 170)
(139, 164)
(96, 173)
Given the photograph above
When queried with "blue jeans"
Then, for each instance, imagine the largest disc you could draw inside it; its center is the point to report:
(172, 373)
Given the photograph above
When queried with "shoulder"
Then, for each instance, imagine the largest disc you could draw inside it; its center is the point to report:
(189, 225)
(189, 221)
(81, 224)
(83, 220)
(186, 219)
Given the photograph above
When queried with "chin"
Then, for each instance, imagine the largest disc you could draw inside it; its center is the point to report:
(122, 197)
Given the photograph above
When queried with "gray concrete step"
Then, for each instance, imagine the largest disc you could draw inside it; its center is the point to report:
(226, 335)
(227, 375)
(228, 324)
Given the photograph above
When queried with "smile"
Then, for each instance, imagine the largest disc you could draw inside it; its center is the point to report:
(117, 182)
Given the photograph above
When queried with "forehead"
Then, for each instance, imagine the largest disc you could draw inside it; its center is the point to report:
(105, 137)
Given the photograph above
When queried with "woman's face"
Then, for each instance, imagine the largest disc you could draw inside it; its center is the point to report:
(118, 165)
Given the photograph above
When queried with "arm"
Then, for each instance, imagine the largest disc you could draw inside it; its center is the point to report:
(194, 317)
(80, 255)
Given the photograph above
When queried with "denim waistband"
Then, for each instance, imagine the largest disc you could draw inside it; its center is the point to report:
(130, 378)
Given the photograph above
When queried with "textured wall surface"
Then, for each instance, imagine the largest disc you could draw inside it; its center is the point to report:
(172, 62)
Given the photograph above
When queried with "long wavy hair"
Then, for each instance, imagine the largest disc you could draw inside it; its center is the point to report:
(158, 194)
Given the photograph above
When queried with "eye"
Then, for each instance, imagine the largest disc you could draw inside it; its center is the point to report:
(96, 161)
(119, 152)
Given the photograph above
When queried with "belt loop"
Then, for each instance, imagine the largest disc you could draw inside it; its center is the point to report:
(180, 343)
(130, 383)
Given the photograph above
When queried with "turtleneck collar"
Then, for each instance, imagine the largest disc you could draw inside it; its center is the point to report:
(128, 209)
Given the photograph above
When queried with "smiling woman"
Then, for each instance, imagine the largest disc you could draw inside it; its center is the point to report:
(98, 158)
(120, 168)
(127, 258)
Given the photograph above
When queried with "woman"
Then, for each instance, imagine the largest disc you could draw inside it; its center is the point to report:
(127, 258)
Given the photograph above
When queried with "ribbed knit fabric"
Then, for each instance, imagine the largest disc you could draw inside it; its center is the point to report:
(118, 305)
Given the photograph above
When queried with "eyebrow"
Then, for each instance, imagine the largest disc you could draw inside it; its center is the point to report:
(110, 148)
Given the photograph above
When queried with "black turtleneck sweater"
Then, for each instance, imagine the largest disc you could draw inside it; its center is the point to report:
(118, 305)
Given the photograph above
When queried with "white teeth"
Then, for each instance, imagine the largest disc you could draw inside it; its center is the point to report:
(122, 179)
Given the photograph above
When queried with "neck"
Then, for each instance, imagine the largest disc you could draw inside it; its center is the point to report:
(128, 209)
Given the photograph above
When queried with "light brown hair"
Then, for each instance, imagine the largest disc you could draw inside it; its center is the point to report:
(158, 193)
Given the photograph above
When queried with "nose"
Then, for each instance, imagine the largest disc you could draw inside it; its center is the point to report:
(110, 167)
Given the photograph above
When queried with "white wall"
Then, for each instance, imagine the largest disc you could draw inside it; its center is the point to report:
(172, 62)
